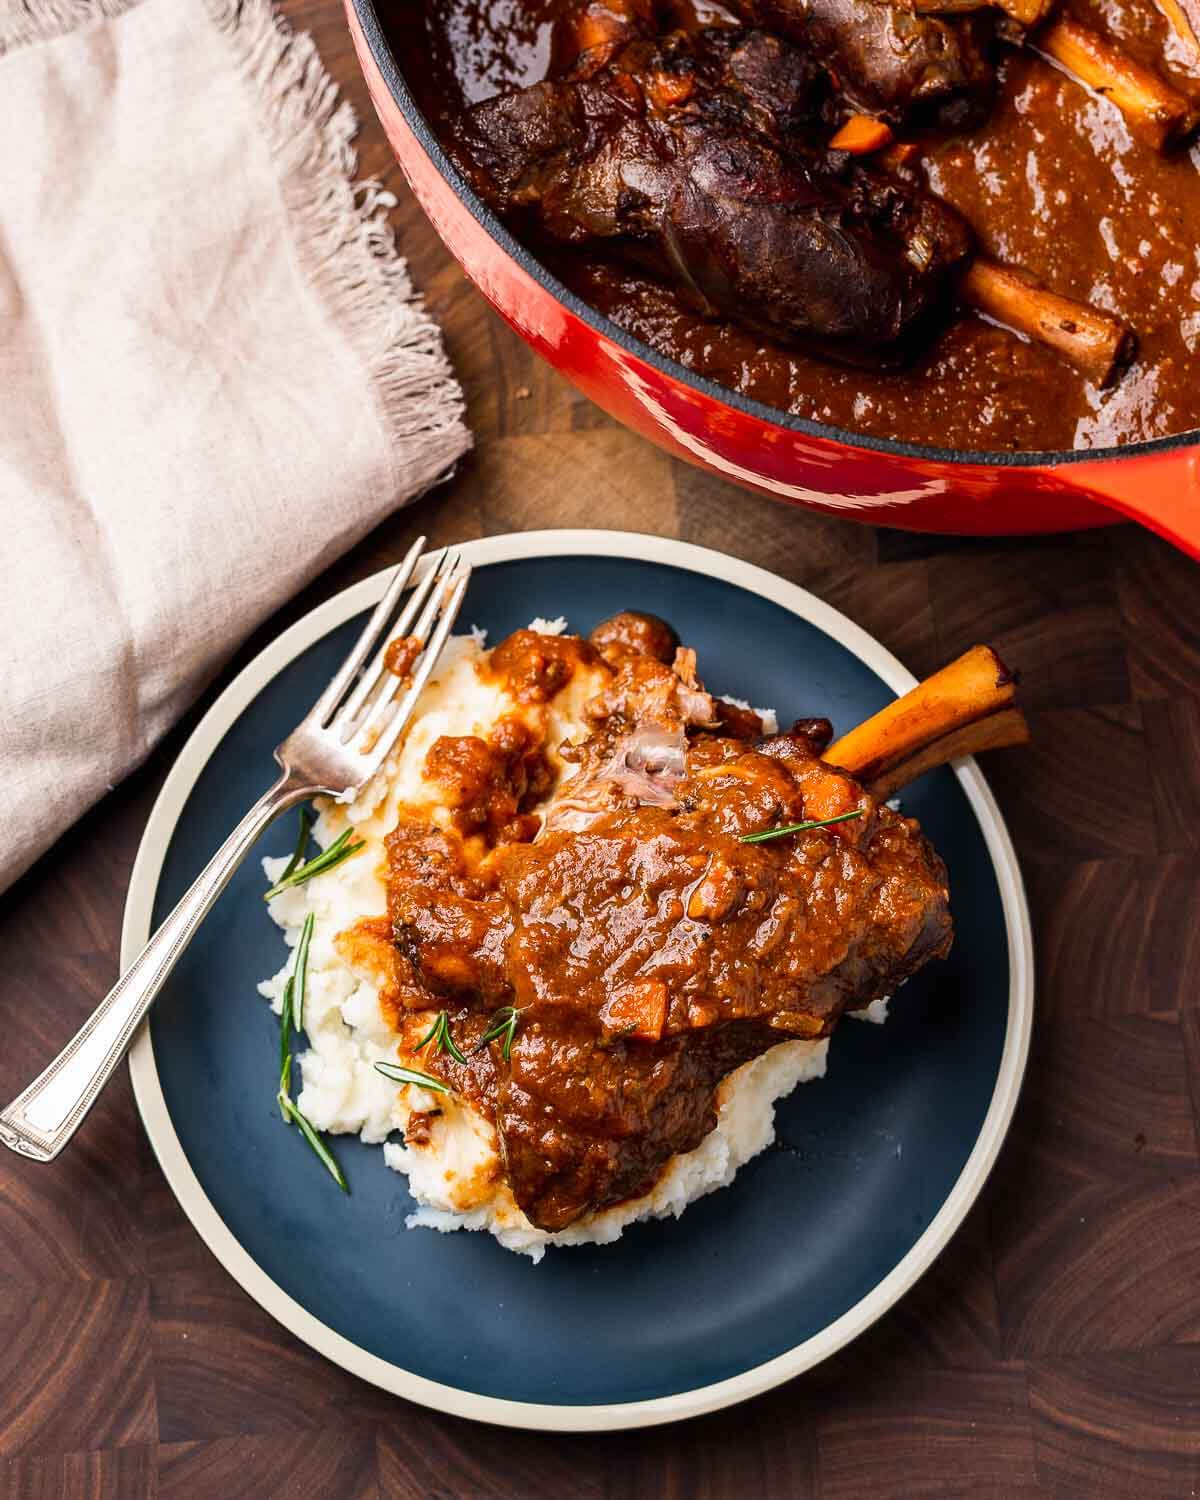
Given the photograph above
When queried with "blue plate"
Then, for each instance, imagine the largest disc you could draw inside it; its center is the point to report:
(872, 1169)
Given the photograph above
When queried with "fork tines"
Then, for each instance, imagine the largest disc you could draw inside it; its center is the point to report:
(363, 708)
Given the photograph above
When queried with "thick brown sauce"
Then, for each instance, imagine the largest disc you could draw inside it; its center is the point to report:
(401, 653)
(1053, 182)
(647, 950)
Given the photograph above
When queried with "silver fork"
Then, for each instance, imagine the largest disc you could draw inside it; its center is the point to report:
(336, 749)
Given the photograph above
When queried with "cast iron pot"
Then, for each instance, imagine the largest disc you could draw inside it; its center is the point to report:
(806, 463)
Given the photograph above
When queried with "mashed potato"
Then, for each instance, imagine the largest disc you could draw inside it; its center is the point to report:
(455, 1177)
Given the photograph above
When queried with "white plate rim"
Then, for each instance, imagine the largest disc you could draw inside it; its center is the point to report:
(540, 1416)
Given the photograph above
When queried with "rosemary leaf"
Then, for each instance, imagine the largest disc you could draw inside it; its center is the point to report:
(300, 972)
(306, 823)
(341, 849)
(315, 1141)
(430, 1034)
(451, 1045)
(504, 1024)
(285, 1045)
(410, 1075)
(778, 833)
(439, 1035)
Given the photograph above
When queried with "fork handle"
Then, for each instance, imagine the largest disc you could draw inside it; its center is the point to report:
(40, 1121)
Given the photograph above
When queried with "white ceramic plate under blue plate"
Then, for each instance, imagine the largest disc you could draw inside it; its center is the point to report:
(874, 1166)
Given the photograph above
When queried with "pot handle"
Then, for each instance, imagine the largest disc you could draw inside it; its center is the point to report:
(1159, 490)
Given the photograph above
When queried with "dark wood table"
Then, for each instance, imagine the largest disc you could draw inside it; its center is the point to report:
(1055, 1347)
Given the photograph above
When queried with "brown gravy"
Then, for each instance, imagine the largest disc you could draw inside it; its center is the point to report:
(640, 949)
(1053, 182)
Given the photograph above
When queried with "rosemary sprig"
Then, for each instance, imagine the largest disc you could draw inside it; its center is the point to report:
(289, 1022)
(306, 823)
(778, 833)
(439, 1035)
(341, 849)
(314, 1140)
(300, 972)
(410, 1075)
(504, 1024)
(285, 1047)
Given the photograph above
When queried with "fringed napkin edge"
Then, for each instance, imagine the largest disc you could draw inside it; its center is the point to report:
(343, 236)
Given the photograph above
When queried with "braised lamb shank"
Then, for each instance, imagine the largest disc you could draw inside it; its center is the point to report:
(746, 156)
(700, 154)
(893, 60)
(647, 948)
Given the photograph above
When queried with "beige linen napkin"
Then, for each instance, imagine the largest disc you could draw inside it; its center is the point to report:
(213, 376)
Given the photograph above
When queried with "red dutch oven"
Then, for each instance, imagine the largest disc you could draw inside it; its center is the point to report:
(806, 463)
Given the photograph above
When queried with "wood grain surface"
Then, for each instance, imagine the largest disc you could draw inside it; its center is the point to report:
(1055, 1347)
